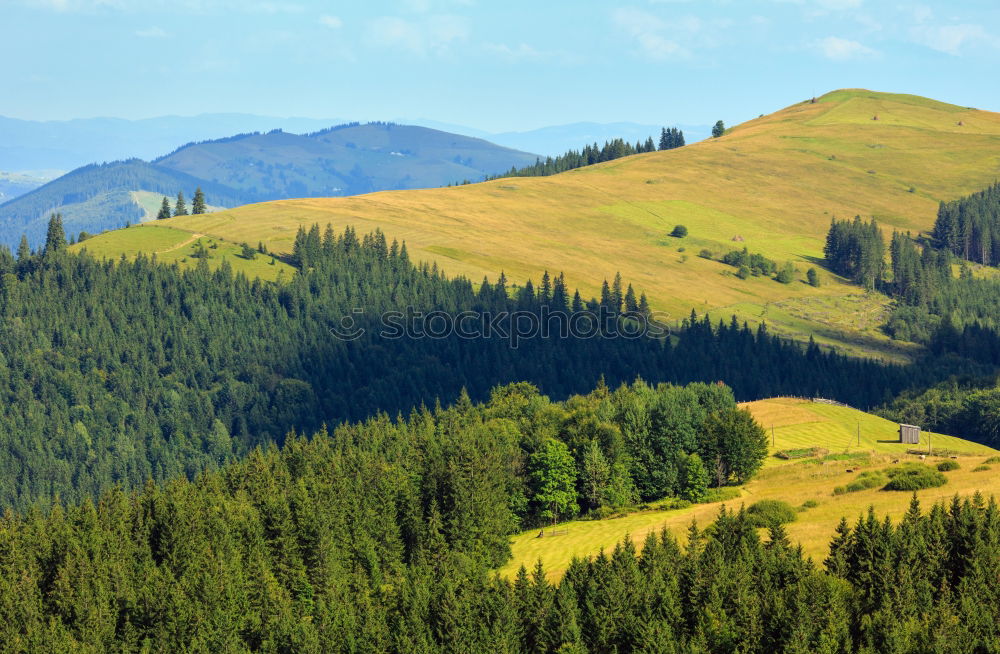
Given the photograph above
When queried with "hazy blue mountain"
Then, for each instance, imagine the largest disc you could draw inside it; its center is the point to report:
(65, 145)
(254, 167)
(14, 184)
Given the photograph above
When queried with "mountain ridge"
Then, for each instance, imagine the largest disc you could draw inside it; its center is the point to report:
(771, 184)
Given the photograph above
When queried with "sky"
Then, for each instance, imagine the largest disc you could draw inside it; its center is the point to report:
(495, 66)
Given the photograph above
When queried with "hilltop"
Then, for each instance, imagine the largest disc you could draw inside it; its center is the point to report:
(771, 184)
(254, 167)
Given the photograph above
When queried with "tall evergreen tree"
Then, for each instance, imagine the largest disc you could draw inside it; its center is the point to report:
(164, 209)
(55, 238)
(180, 208)
(198, 203)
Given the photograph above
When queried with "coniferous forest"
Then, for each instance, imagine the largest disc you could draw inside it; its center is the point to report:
(119, 372)
(381, 537)
(160, 493)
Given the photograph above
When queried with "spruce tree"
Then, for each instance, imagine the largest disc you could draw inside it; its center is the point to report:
(180, 208)
(718, 129)
(55, 238)
(198, 203)
(23, 249)
(164, 209)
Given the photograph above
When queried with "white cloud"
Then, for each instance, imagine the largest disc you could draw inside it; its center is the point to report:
(950, 39)
(838, 49)
(648, 30)
(152, 33)
(332, 22)
(430, 35)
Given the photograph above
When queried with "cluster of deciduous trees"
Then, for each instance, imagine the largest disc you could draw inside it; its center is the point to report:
(970, 227)
(591, 154)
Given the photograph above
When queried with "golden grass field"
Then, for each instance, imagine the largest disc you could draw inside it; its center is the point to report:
(775, 182)
(797, 423)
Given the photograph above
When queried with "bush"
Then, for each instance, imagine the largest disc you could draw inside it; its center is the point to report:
(945, 466)
(800, 453)
(982, 468)
(680, 231)
(808, 504)
(865, 481)
(743, 272)
(787, 273)
(769, 513)
(672, 504)
(722, 494)
(812, 277)
(914, 476)
(992, 459)
(705, 254)
(601, 513)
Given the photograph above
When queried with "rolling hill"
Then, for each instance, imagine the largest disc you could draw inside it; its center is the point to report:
(771, 184)
(343, 160)
(797, 424)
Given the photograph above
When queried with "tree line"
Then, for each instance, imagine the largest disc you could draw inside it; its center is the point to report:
(591, 154)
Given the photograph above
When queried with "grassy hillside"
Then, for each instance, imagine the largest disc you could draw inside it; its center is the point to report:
(798, 423)
(176, 246)
(774, 182)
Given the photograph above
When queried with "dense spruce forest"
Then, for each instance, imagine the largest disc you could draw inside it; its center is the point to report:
(591, 154)
(970, 227)
(381, 538)
(934, 307)
(120, 372)
(950, 314)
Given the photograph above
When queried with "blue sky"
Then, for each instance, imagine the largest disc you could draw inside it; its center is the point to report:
(491, 65)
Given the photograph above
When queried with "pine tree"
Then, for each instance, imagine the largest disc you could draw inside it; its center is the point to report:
(55, 238)
(164, 209)
(23, 249)
(198, 203)
(180, 208)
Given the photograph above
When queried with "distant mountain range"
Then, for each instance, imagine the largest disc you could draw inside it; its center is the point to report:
(27, 145)
(254, 167)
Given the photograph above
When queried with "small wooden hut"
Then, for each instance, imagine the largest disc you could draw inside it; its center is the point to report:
(909, 434)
